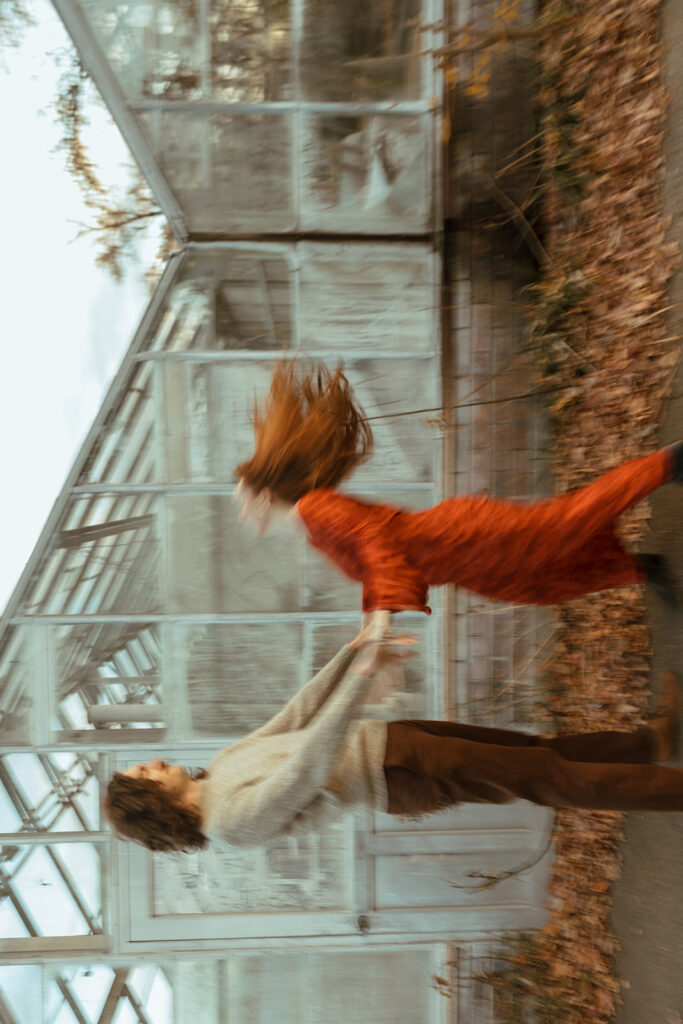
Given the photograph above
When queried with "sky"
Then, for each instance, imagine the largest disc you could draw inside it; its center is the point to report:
(64, 323)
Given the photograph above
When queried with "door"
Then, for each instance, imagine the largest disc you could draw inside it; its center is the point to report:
(369, 879)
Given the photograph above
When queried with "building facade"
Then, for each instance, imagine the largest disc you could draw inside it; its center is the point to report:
(297, 150)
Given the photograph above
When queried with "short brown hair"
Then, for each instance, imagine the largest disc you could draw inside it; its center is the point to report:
(141, 810)
(310, 432)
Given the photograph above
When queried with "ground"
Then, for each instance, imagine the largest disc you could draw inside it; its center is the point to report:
(648, 898)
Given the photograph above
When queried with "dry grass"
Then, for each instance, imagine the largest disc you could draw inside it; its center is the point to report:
(601, 332)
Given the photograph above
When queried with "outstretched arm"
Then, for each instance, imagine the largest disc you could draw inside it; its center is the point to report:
(259, 812)
(359, 538)
(390, 582)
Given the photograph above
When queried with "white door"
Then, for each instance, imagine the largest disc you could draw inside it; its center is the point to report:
(374, 879)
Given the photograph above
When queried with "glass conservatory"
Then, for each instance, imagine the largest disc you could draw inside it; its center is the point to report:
(294, 149)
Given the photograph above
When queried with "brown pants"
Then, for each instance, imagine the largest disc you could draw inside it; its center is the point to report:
(433, 765)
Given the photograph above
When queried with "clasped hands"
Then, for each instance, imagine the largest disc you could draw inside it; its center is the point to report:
(382, 653)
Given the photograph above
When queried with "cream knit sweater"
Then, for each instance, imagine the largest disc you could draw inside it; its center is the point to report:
(301, 769)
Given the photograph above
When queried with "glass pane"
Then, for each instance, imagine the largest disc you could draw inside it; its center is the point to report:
(168, 51)
(401, 399)
(306, 875)
(309, 988)
(90, 985)
(366, 173)
(239, 676)
(207, 417)
(227, 300)
(104, 559)
(400, 396)
(154, 49)
(10, 819)
(51, 792)
(371, 988)
(217, 565)
(124, 451)
(12, 925)
(151, 987)
(327, 589)
(361, 297)
(107, 676)
(228, 172)
(253, 302)
(59, 887)
(355, 51)
(16, 685)
(250, 50)
(21, 987)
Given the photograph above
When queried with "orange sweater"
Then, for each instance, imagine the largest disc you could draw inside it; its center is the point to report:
(522, 552)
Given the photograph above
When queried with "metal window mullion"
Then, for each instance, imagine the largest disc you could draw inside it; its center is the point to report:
(166, 627)
(272, 356)
(174, 676)
(138, 1001)
(44, 837)
(267, 306)
(192, 490)
(122, 741)
(137, 1007)
(204, 11)
(111, 1002)
(193, 618)
(295, 121)
(360, 866)
(275, 107)
(41, 689)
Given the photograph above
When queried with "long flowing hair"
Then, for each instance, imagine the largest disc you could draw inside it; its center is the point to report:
(310, 432)
(140, 809)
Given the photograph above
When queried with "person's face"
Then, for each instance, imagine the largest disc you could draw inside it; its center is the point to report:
(172, 777)
(259, 511)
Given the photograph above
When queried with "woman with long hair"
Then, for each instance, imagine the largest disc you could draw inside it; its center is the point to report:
(311, 433)
(314, 760)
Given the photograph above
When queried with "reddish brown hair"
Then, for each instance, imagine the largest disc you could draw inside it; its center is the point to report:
(310, 432)
(140, 809)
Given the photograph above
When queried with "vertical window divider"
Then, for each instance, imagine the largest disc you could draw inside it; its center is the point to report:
(43, 696)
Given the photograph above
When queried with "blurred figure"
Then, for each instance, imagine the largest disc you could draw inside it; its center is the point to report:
(313, 761)
(310, 434)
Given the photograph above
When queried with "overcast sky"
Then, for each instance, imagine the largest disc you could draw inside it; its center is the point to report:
(64, 323)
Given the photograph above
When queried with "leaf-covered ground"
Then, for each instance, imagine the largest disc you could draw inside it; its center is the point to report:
(601, 332)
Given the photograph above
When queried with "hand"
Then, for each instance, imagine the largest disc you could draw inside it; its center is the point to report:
(381, 654)
(375, 626)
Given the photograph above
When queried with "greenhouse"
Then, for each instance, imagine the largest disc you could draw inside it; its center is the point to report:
(296, 152)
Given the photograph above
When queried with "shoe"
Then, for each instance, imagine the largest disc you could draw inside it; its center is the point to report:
(665, 718)
(677, 453)
(658, 577)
